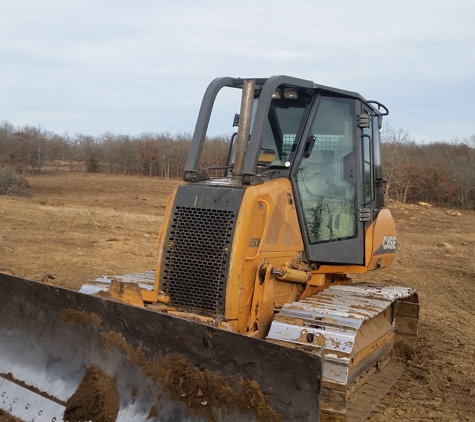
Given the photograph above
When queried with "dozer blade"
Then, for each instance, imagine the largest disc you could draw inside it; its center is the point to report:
(69, 356)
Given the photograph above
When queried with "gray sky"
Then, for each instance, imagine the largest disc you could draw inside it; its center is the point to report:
(142, 66)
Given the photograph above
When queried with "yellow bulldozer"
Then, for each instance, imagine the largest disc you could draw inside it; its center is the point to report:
(250, 314)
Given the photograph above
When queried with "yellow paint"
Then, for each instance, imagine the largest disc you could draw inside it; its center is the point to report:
(267, 230)
(267, 236)
(150, 296)
(163, 232)
(126, 292)
(382, 226)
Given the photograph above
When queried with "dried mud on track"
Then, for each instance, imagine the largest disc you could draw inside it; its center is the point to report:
(79, 226)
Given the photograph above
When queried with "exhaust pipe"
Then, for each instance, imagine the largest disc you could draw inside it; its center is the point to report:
(244, 127)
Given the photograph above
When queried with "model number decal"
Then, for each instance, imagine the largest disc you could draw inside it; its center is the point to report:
(254, 242)
(389, 242)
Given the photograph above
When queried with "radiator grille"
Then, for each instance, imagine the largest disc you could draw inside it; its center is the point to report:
(197, 257)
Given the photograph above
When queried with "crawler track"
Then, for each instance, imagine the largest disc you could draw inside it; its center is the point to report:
(359, 326)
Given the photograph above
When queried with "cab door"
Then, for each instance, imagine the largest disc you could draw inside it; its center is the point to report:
(332, 177)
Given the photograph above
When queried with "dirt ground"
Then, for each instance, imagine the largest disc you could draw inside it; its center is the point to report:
(79, 226)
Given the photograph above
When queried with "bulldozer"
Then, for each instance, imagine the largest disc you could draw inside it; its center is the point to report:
(250, 313)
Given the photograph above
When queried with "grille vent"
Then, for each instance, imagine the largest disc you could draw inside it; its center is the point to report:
(197, 258)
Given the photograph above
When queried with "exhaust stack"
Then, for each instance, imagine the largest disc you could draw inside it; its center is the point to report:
(244, 127)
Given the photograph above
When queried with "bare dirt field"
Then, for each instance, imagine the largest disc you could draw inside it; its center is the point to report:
(79, 226)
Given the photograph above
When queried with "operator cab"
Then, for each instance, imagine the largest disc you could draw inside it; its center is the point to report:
(326, 142)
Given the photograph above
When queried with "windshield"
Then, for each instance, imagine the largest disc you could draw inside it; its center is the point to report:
(283, 121)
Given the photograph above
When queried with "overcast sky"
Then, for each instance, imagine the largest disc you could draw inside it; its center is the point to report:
(130, 67)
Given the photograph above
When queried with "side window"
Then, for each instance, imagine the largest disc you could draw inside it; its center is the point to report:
(378, 172)
(368, 164)
(326, 179)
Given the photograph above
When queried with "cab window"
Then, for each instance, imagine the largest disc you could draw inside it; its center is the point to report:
(326, 179)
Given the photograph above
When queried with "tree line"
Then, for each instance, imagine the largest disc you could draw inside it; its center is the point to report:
(28, 149)
(439, 173)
